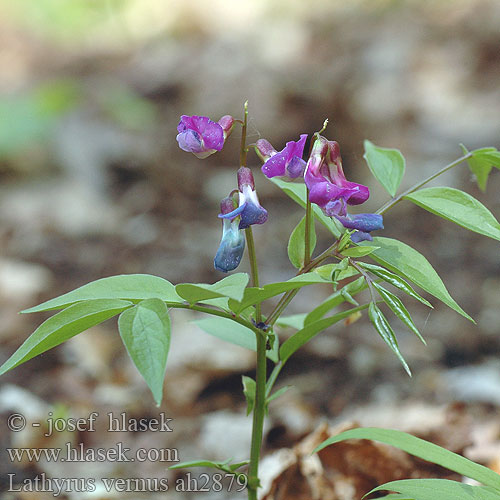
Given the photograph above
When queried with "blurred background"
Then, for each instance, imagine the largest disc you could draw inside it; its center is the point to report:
(93, 184)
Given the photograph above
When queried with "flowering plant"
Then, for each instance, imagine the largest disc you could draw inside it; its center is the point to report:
(318, 184)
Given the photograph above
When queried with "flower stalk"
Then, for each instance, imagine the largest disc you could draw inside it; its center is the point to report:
(243, 144)
(307, 231)
(261, 338)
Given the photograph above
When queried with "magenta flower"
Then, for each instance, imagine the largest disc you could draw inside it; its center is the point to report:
(232, 244)
(201, 136)
(329, 189)
(287, 163)
(325, 178)
(249, 208)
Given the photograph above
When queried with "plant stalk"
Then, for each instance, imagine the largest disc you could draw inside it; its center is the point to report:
(258, 417)
(254, 270)
(260, 381)
(307, 231)
(287, 297)
(243, 146)
(261, 338)
(213, 312)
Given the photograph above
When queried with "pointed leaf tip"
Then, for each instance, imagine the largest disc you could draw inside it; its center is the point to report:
(386, 165)
(145, 332)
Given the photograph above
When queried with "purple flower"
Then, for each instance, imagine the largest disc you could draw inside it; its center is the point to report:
(329, 189)
(325, 177)
(287, 163)
(249, 209)
(232, 244)
(201, 136)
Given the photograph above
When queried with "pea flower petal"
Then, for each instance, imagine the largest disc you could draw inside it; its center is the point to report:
(287, 163)
(232, 244)
(325, 177)
(364, 223)
(249, 209)
(201, 136)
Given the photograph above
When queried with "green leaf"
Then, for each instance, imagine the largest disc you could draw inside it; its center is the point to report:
(232, 286)
(336, 272)
(421, 449)
(488, 155)
(384, 329)
(439, 489)
(491, 155)
(345, 240)
(399, 309)
(410, 264)
(273, 347)
(229, 331)
(198, 463)
(458, 207)
(479, 166)
(297, 192)
(132, 287)
(220, 302)
(335, 299)
(238, 465)
(296, 243)
(64, 325)
(224, 466)
(249, 392)
(145, 331)
(387, 166)
(278, 393)
(395, 280)
(254, 295)
(234, 333)
(297, 340)
(359, 251)
(293, 321)
(348, 297)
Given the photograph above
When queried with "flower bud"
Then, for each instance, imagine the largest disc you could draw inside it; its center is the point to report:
(245, 178)
(264, 149)
(226, 122)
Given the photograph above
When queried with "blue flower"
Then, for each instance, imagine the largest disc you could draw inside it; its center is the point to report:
(249, 208)
(232, 244)
(364, 223)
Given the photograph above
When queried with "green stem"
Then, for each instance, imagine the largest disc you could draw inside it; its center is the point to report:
(281, 306)
(272, 378)
(261, 337)
(367, 278)
(254, 270)
(258, 417)
(398, 198)
(287, 297)
(307, 231)
(260, 381)
(214, 312)
(243, 148)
